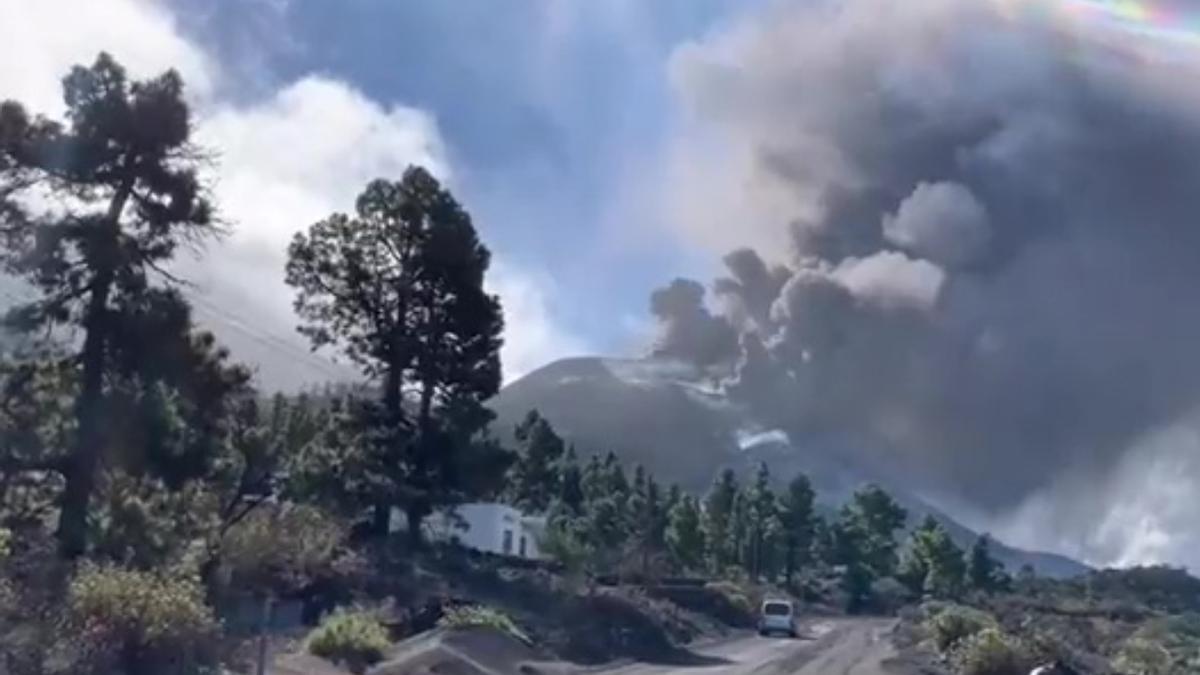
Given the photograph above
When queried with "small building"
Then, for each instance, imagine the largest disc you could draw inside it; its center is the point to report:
(483, 526)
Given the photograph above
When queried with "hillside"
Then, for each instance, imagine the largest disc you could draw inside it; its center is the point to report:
(676, 422)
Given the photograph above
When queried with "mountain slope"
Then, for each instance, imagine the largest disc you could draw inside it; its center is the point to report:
(681, 427)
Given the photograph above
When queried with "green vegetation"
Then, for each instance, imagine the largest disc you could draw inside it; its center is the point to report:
(991, 652)
(354, 638)
(934, 565)
(140, 622)
(735, 594)
(207, 489)
(952, 624)
(479, 616)
(398, 289)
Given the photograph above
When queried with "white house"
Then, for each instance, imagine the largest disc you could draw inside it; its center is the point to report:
(488, 527)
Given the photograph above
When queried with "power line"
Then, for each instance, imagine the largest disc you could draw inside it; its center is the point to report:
(227, 318)
(267, 339)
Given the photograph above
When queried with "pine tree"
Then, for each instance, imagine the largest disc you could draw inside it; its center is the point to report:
(616, 488)
(823, 546)
(718, 514)
(739, 530)
(594, 480)
(878, 516)
(947, 569)
(534, 477)
(647, 520)
(674, 494)
(123, 177)
(850, 548)
(914, 568)
(615, 481)
(570, 491)
(933, 564)
(984, 572)
(763, 522)
(398, 287)
(685, 536)
(796, 516)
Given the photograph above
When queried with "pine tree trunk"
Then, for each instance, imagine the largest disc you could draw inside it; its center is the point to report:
(80, 474)
(381, 517)
(415, 517)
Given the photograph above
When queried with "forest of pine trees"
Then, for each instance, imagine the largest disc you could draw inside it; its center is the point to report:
(605, 520)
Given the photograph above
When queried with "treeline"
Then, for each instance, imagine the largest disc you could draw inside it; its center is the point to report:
(142, 475)
(603, 521)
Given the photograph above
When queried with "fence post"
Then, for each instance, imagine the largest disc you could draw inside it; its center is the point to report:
(263, 630)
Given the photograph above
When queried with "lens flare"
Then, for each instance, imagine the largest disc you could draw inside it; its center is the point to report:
(1156, 24)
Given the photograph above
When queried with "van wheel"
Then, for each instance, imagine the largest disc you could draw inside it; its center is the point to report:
(762, 632)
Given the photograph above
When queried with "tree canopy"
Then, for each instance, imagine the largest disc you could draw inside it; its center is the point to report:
(398, 287)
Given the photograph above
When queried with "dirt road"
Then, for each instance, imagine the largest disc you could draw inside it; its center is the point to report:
(829, 647)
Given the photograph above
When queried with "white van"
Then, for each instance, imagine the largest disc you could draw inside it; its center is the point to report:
(777, 616)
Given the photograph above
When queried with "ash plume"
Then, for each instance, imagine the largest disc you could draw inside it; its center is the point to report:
(994, 229)
(688, 331)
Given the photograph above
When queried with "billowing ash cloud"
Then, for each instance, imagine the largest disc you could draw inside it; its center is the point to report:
(994, 261)
(943, 222)
(688, 330)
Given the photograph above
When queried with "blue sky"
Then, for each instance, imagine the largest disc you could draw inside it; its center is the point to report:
(554, 114)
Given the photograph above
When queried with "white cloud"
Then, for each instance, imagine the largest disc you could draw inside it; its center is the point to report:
(284, 162)
(291, 160)
(531, 339)
(41, 39)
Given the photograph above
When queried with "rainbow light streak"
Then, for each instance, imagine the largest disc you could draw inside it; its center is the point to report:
(1153, 20)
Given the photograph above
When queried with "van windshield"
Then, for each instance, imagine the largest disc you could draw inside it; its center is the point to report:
(777, 609)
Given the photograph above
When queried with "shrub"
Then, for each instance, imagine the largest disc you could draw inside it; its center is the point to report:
(889, 595)
(735, 594)
(478, 616)
(144, 622)
(989, 652)
(1140, 656)
(955, 623)
(282, 548)
(354, 638)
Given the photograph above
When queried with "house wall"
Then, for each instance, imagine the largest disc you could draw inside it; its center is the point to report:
(482, 527)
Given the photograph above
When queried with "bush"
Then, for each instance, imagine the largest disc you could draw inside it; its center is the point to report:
(735, 594)
(989, 652)
(1139, 656)
(956, 623)
(354, 638)
(478, 616)
(139, 621)
(282, 548)
(889, 595)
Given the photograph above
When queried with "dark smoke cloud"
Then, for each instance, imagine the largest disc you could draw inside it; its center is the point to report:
(994, 231)
(747, 293)
(688, 331)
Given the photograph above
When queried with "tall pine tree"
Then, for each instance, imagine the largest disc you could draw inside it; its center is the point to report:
(570, 487)
(685, 536)
(534, 477)
(718, 518)
(399, 288)
(984, 572)
(796, 516)
(122, 175)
